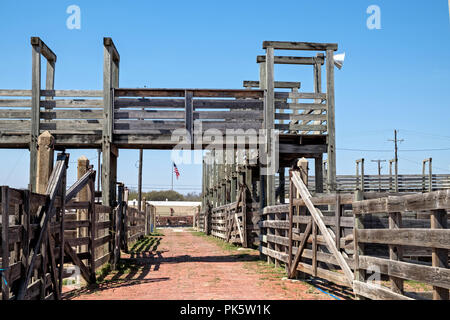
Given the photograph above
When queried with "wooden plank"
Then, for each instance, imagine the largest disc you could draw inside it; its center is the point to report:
(300, 249)
(189, 113)
(395, 252)
(301, 127)
(439, 220)
(229, 115)
(72, 103)
(43, 49)
(290, 45)
(317, 216)
(278, 84)
(432, 275)
(358, 247)
(72, 93)
(15, 93)
(301, 95)
(72, 114)
(376, 292)
(427, 201)
(438, 238)
(293, 60)
(148, 114)
(15, 103)
(85, 273)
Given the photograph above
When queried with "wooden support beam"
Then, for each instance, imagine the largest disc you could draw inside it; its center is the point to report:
(294, 264)
(189, 113)
(35, 112)
(293, 60)
(360, 273)
(111, 61)
(331, 153)
(269, 115)
(45, 155)
(318, 219)
(278, 84)
(289, 45)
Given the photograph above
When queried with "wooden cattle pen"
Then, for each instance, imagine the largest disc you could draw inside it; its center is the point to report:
(349, 230)
(43, 234)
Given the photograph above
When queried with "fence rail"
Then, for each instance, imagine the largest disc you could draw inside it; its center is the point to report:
(384, 183)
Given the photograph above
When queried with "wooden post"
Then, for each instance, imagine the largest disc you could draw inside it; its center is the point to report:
(125, 219)
(35, 112)
(337, 223)
(45, 155)
(189, 113)
(93, 227)
(291, 218)
(439, 220)
(360, 274)
(395, 252)
(282, 183)
(318, 168)
(62, 228)
(244, 217)
(5, 242)
(331, 121)
(111, 60)
(269, 116)
(83, 195)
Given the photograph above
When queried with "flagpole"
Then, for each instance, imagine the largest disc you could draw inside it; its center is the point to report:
(172, 177)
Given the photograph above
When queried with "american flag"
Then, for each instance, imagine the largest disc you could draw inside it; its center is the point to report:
(175, 169)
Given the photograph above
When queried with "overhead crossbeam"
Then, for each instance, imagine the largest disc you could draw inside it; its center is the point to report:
(278, 84)
(288, 45)
(319, 59)
(44, 49)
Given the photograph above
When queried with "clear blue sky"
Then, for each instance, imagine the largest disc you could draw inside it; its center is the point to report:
(396, 77)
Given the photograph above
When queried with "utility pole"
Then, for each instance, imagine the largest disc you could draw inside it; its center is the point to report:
(379, 172)
(396, 141)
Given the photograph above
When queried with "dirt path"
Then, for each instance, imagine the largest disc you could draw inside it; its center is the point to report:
(184, 265)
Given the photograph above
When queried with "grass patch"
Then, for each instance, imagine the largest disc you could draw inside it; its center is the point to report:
(148, 243)
(103, 272)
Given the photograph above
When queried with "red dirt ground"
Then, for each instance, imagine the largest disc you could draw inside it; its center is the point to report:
(188, 266)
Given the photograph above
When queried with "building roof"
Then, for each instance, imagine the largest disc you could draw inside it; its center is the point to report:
(170, 203)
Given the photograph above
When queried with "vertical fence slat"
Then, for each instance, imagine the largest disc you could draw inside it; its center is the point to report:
(439, 220)
(5, 242)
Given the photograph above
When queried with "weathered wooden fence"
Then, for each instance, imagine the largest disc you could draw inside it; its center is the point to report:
(316, 236)
(42, 233)
(396, 237)
(236, 222)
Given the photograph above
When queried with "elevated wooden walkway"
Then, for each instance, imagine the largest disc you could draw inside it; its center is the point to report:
(149, 118)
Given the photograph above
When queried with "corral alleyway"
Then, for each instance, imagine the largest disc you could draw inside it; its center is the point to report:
(182, 264)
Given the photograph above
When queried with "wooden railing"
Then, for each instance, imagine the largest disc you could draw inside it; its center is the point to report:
(301, 117)
(59, 116)
(434, 274)
(383, 183)
(158, 111)
(315, 259)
